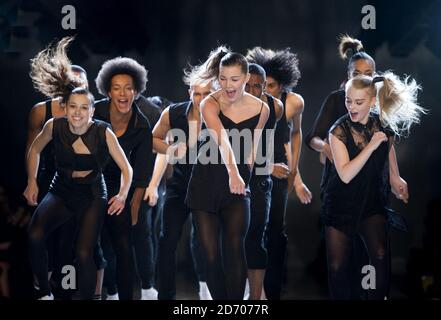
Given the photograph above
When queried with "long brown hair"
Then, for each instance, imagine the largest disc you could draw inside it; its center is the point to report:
(51, 71)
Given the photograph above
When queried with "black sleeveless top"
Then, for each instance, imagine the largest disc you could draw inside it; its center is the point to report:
(68, 161)
(208, 188)
(282, 135)
(178, 117)
(344, 205)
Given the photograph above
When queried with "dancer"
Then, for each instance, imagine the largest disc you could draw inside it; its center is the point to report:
(183, 116)
(121, 80)
(359, 63)
(282, 72)
(218, 192)
(356, 191)
(81, 147)
(50, 66)
(260, 187)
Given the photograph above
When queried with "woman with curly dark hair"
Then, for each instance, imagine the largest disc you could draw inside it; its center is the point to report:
(122, 80)
(282, 73)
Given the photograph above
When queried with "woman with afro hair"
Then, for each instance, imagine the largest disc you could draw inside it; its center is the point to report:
(122, 80)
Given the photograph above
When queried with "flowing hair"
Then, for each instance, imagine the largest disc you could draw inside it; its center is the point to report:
(397, 99)
(51, 71)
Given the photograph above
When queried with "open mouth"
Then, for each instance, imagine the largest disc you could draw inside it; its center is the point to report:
(124, 103)
(230, 93)
(353, 114)
(77, 118)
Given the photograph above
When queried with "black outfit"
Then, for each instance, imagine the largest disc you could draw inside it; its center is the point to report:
(359, 206)
(175, 212)
(276, 239)
(219, 212)
(60, 241)
(136, 143)
(83, 198)
(331, 110)
(260, 187)
(145, 237)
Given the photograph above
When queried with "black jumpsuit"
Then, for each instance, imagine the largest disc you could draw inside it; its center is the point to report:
(83, 198)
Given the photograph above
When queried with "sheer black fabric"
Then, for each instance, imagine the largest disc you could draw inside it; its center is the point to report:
(222, 238)
(373, 231)
(345, 205)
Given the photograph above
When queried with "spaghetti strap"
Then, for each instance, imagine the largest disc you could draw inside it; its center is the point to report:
(214, 98)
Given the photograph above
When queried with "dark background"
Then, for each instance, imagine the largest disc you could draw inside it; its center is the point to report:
(166, 35)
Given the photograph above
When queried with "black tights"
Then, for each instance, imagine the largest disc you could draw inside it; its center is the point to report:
(50, 214)
(222, 240)
(373, 231)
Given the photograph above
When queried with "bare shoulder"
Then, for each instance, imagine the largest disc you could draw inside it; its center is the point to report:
(211, 102)
(294, 104)
(38, 112)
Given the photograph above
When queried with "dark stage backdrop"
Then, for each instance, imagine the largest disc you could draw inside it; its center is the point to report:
(166, 35)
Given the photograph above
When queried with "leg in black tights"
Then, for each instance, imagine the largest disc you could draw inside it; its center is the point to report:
(338, 249)
(225, 232)
(374, 233)
(208, 229)
(143, 245)
(235, 222)
(49, 215)
(90, 224)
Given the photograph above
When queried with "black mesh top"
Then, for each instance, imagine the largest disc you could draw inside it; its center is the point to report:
(344, 205)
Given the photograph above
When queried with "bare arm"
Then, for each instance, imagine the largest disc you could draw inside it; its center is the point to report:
(210, 113)
(160, 132)
(151, 193)
(117, 202)
(294, 109)
(33, 160)
(258, 132)
(347, 169)
(398, 184)
(35, 125)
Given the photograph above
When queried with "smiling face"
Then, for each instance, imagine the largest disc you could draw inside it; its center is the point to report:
(122, 93)
(232, 81)
(256, 85)
(359, 102)
(79, 111)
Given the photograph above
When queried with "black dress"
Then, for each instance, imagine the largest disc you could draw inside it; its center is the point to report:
(208, 188)
(345, 205)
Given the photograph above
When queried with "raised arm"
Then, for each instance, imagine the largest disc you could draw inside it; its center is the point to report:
(347, 169)
(117, 203)
(33, 160)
